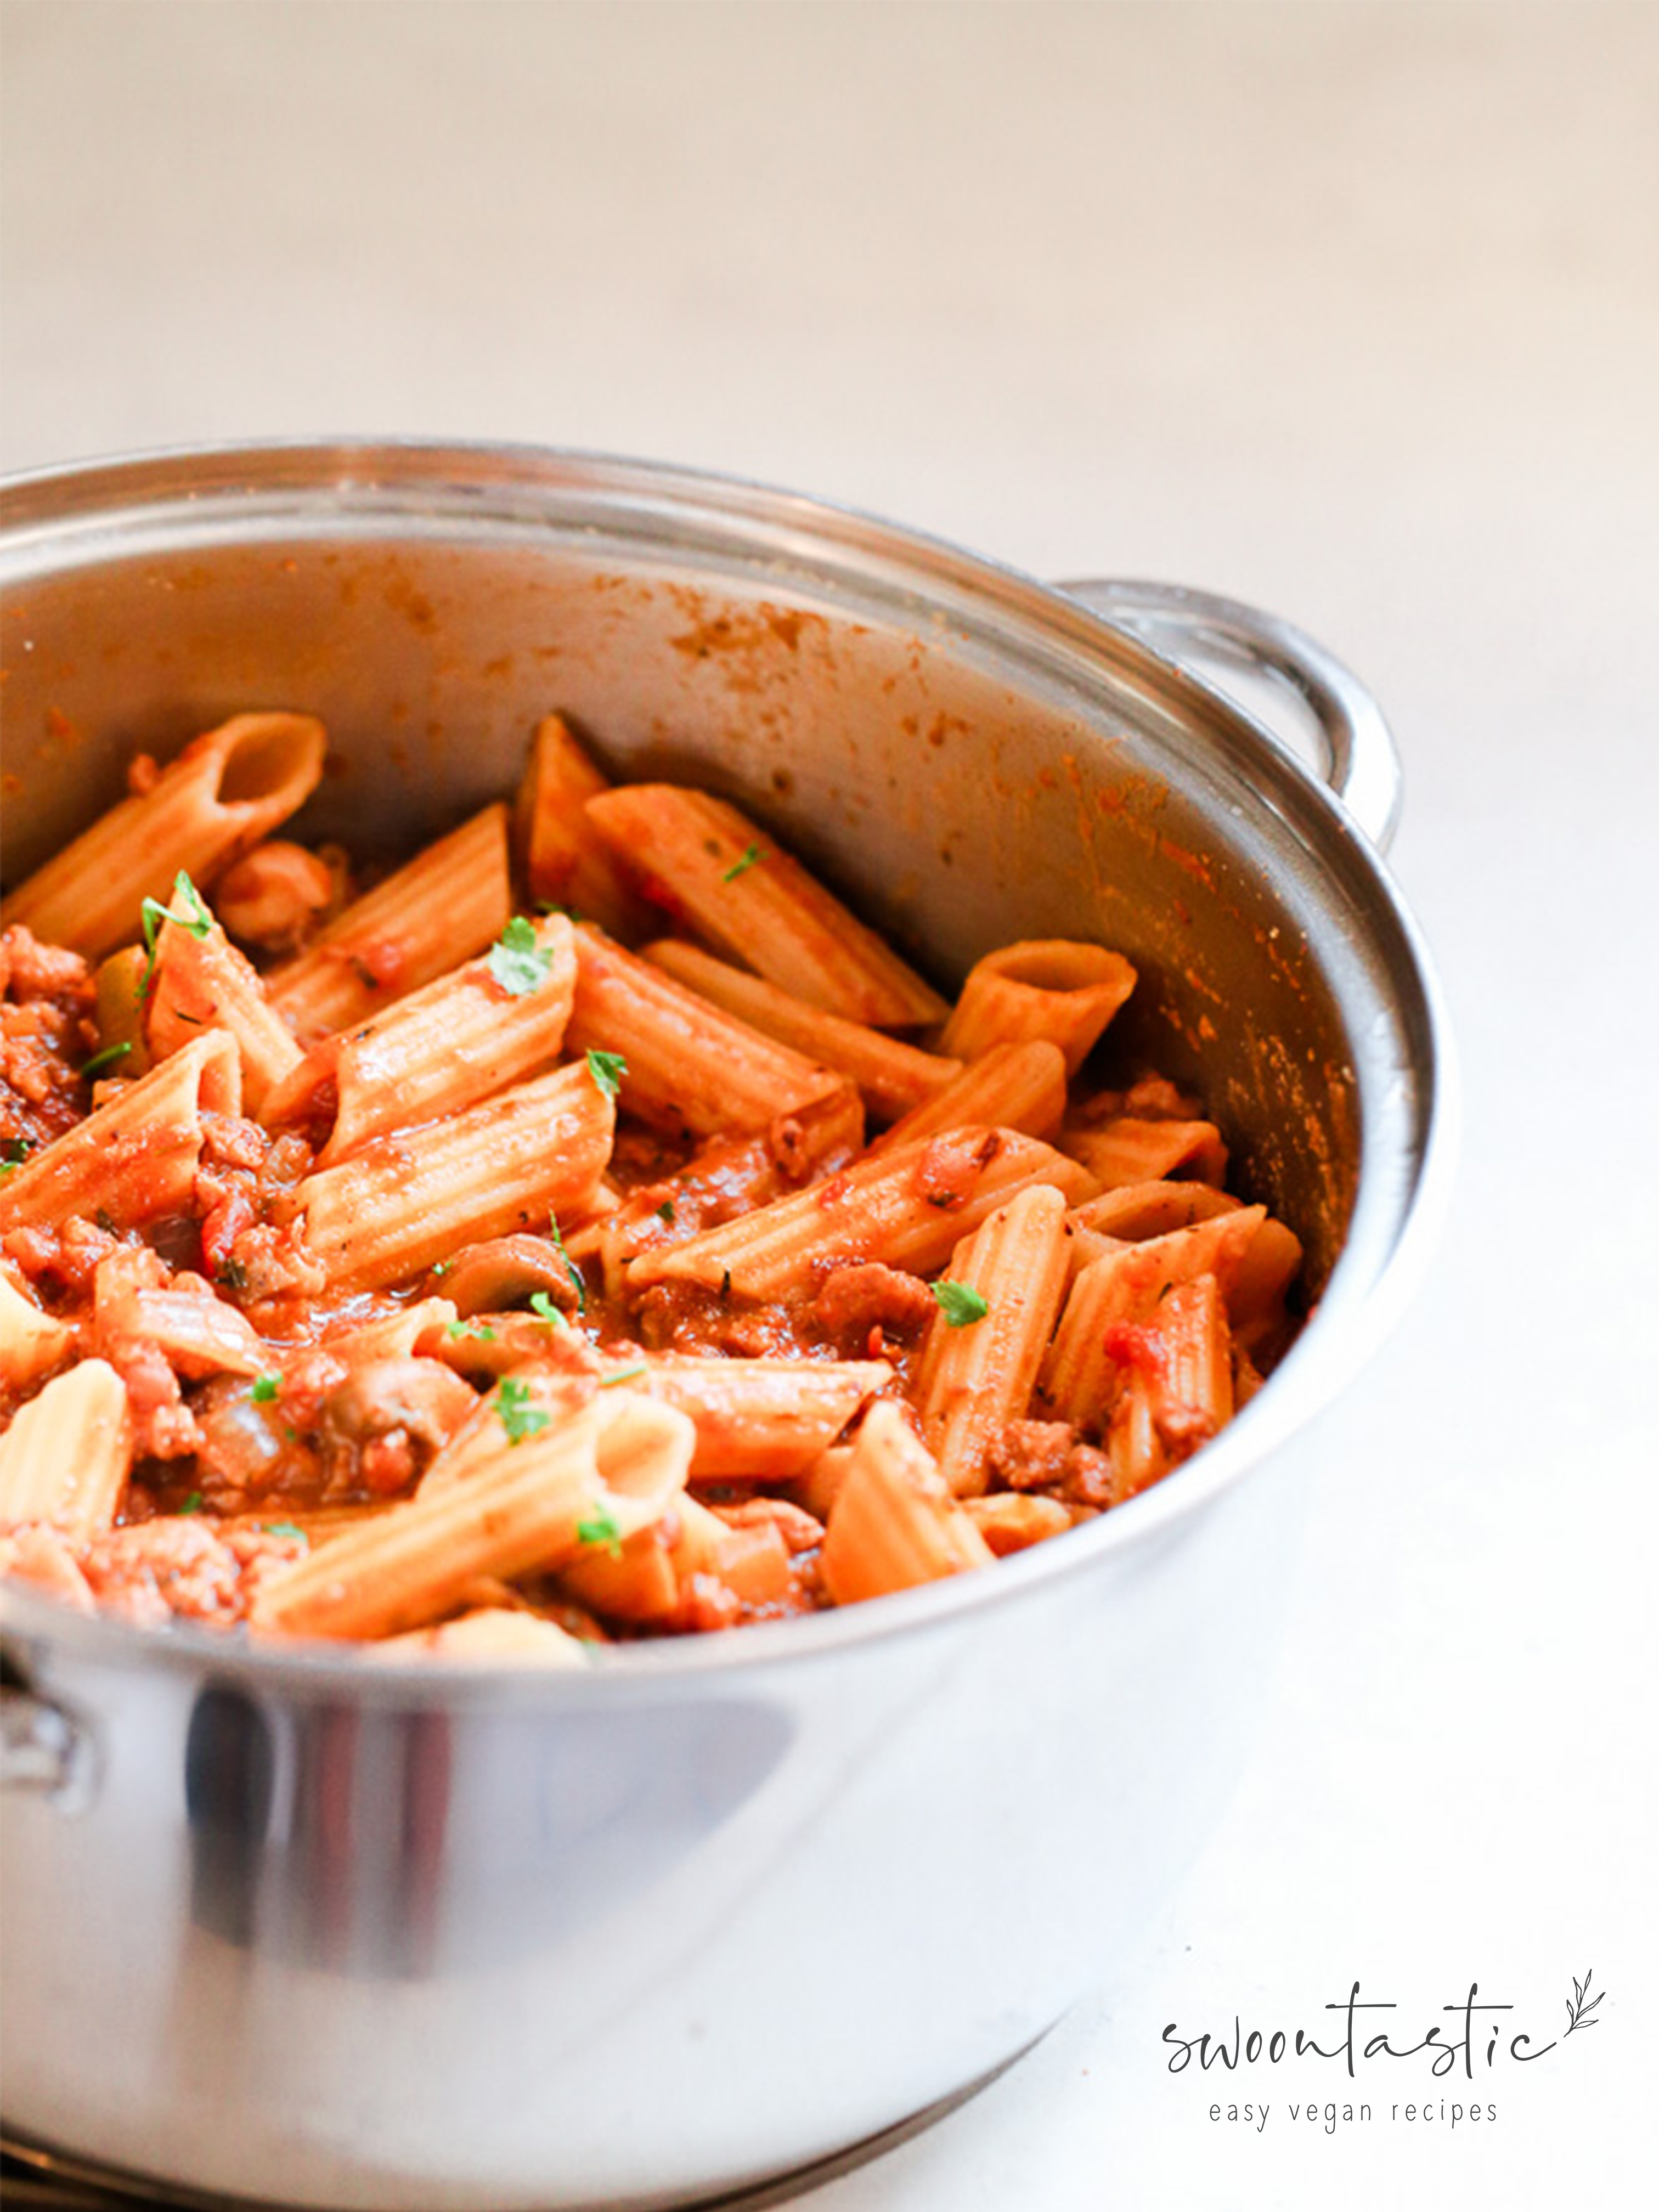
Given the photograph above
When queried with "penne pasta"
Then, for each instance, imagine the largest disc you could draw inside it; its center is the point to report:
(514, 1162)
(712, 869)
(529, 1232)
(907, 1208)
(1046, 987)
(1080, 1373)
(201, 982)
(225, 792)
(491, 1636)
(977, 1374)
(564, 860)
(134, 1158)
(464, 1037)
(892, 1077)
(763, 1420)
(1012, 1086)
(690, 1069)
(1126, 1150)
(65, 1457)
(449, 902)
(530, 1501)
(32, 1343)
(894, 1523)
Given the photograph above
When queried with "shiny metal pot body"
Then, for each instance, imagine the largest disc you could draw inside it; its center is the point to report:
(298, 1929)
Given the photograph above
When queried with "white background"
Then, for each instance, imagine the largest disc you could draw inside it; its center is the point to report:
(1349, 309)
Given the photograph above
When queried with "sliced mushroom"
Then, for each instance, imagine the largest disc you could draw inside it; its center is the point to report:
(506, 1273)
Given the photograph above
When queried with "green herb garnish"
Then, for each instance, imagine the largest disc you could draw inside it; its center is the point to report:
(607, 1069)
(601, 1528)
(961, 1304)
(192, 1503)
(13, 1150)
(623, 1374)
(286, 1528)
(544, 1310)
(570, 1268)
(107, 1058)
(454, 1328)
(517, 962)
(516, 1414)
(194, 917)
(750, 858)
(666, 1212)
(264, 1389)
(232, 1273)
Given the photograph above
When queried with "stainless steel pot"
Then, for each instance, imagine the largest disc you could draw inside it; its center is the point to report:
(300, 1929)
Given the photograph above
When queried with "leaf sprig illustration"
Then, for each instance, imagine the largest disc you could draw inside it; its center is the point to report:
(1581, 2004)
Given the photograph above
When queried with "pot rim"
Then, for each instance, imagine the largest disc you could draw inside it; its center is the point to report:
(91, 505)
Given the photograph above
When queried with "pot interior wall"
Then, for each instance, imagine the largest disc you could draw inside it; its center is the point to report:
(961, 786)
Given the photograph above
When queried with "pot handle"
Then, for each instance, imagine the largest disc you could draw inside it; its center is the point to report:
(1362, 765)
(41, 1746)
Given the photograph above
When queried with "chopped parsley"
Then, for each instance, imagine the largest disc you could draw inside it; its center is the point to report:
(232, 1273)
(544, 1310)
(961, 1305)
(750, 858)
(516, 1414)
(286, 1528)
(570, 1267)
(265, 1388)
(194, 917)
(13, 1150)
(607, 1070)
(517, 962)
(107, 1058)
(666, 1212)
(623, 1374)
(454, 1328)
(556, 905)
(601, 1527)
(192, 1503)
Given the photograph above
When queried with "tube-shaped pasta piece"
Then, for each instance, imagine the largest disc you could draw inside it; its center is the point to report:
(513, 1162)
(730, 1173)
(894, 1523)
(564, 859)
(710, 867)
(395, 1335)
(1128, 1151)
(764, 1419)
(531, 1502)
(891, 1076)
(909, 1208)
(224, 792)
(196, 1332)
(976, 1376)
(1255, 1299)
(645, 1578)
(455, 1041)
(1185, 1352)
(450, 901)
(1080, 1374)
(1012, 1086)
(67, 1454)
(1138, 1210)
(203, 982)
(691, 1069)
(1044, 988)
(491, 1636)
(31, 1342)
(134, 1157)
(1133, 1443)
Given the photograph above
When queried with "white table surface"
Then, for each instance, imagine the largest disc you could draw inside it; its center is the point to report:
(1350, 310)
